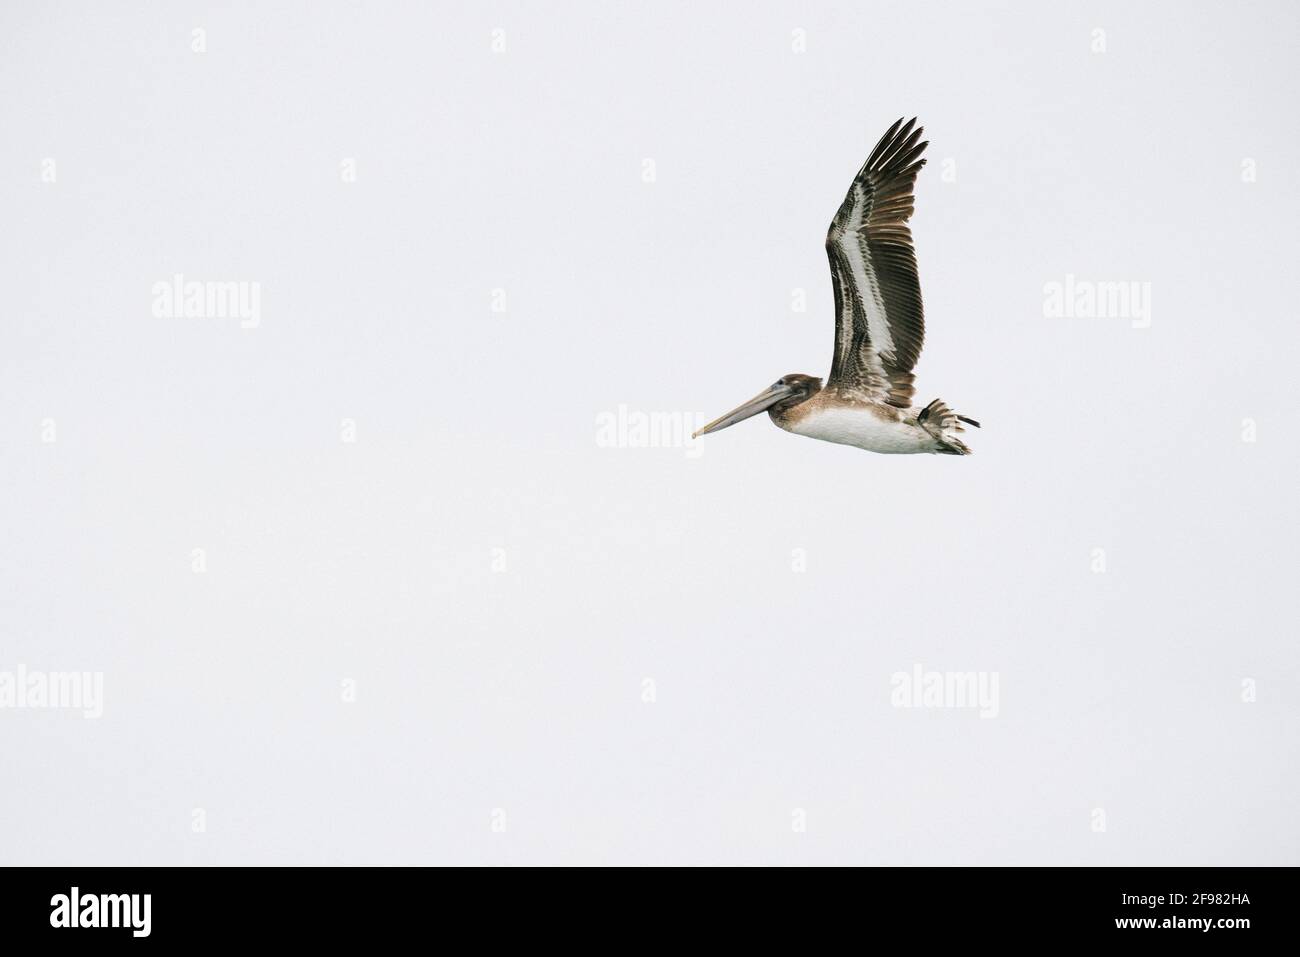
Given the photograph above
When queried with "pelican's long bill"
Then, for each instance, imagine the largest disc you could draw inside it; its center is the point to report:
(760, 403)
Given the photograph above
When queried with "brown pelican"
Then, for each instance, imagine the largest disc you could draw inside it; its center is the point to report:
(879, 324)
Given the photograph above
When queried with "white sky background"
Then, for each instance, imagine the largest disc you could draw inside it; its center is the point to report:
(476, 430)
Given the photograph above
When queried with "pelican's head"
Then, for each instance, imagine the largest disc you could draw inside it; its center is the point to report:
(786, 392)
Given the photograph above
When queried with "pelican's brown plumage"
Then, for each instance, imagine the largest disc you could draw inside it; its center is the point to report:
(879, 323)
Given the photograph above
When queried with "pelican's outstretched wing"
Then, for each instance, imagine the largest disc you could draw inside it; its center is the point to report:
(879, 322)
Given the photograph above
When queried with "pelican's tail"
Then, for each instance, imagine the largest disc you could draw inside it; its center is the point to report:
(944, 425)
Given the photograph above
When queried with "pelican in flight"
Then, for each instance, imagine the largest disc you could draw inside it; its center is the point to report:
(879, 324)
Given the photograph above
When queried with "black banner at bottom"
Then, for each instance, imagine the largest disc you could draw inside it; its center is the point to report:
(335, 906)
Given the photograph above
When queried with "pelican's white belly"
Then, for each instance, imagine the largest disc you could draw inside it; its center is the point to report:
(864, 430)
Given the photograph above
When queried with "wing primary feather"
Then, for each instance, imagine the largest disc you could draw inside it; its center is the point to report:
(884, 141)
(899, 146)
